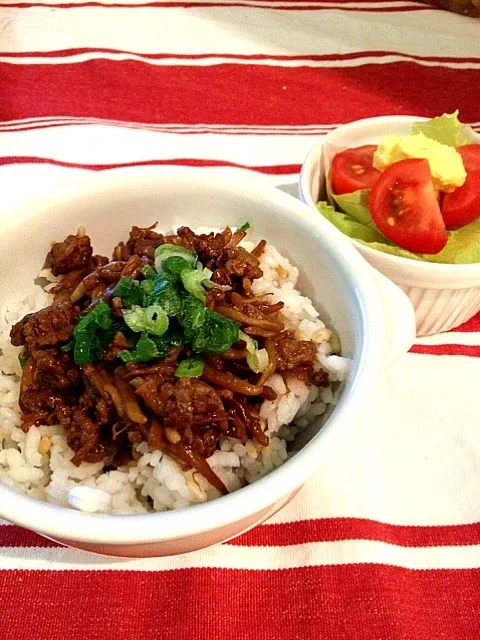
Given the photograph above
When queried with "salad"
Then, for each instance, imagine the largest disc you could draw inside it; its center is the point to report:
(416, 196)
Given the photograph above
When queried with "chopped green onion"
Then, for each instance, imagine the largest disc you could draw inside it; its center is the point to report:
(192, 280)
(93, 334)
(172, 337)
(155, 320)
(86, 349)
(193, 317)
(245, 227)
(134, 319)
(252, 345)
(145, 350)
(191, 368)
(123, 287)
(22, 358)
(128, 291)
(175, 265)
(335, 343)
(102, 314)
(148, 272)
(216, 335)
(147, 287)
(166, 294)
(126, 356)
(257, 359)
(165, 251)
(67, 347)
(208, 284)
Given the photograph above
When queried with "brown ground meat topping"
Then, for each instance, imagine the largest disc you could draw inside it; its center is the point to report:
(73, 253)
(106, 407)
(292, 353)
(45, 328)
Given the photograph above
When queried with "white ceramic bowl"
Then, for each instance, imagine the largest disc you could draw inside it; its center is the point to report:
(333, 274)
(444, 296)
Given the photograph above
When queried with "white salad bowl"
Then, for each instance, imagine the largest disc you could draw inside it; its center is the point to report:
(443, 295)
(372, 317)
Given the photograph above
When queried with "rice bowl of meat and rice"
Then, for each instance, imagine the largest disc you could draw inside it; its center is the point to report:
(130, 428)
(124, 431)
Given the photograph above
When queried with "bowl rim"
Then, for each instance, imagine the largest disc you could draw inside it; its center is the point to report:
(422, 269)
(68, 524)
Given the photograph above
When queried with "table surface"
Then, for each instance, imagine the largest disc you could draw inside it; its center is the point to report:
(384, 543)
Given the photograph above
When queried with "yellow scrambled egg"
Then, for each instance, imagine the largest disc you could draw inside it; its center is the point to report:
(446, 164)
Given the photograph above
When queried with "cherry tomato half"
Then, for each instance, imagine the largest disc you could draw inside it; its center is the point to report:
(463, 205)
(352, 170)
(405, 209)
(471, 156)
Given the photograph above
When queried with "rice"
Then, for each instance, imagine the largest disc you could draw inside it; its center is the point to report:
(38, 463)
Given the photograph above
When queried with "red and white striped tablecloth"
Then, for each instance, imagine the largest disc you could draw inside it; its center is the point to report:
(384, 543)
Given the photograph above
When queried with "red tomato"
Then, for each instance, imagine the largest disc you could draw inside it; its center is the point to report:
(463, 205)
(471, 156)
(404, 207)
(353, 170)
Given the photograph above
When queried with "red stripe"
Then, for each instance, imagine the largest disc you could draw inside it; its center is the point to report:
(355, 55)
(280, 169)
(471, 325)
(321, 530)
(12, 536)
(190, 5)
(332, 529)
(234, 94)
(364, 602)
(447, 349)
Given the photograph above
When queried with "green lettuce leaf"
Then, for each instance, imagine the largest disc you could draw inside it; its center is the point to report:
(393, 250)
(354, 204)
(349, 225)
(446, 129)
(463, 247)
